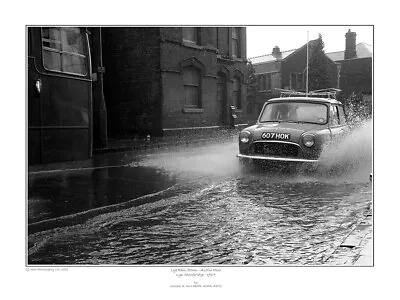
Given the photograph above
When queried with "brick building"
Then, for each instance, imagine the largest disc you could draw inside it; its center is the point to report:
(284, 70)
(354, 68)
(88, 84)
(172, 79)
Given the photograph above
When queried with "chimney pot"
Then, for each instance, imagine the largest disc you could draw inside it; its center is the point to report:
(276, 52)
(350, 50)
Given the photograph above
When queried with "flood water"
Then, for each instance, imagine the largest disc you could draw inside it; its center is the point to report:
(80, 190)
(216, 213)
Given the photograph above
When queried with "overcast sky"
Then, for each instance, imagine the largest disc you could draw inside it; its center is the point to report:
(261, 39)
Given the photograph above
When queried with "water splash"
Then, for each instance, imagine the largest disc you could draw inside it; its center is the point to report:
(216, 160)
(352, 157)
(347, 161)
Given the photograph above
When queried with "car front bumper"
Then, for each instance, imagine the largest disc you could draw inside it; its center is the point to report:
(274, 158)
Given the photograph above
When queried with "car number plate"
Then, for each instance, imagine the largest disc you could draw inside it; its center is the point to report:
(275, 136)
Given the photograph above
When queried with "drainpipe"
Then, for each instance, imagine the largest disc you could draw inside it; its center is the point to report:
(307, 68)
(99, 109)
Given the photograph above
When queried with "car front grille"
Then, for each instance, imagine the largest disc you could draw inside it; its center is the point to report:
(276, 149)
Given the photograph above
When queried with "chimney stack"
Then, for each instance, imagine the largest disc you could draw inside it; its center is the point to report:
(350, 51)
(276, 52)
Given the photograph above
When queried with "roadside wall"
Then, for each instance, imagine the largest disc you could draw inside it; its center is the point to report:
(132, 80)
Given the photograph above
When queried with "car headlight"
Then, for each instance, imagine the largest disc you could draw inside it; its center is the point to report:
(308, 140)
(244, 137)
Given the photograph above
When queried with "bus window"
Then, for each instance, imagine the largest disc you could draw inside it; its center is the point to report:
(64, 50)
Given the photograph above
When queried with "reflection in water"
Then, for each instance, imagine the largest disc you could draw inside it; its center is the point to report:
(53, 195)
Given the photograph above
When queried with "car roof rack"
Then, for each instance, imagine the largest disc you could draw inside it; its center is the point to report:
(327, 93)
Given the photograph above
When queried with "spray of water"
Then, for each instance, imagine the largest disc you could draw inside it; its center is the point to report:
(215, 160)
(349, 160)
(351, 157)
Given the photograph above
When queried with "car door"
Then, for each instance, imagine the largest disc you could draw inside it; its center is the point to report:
(337, 123)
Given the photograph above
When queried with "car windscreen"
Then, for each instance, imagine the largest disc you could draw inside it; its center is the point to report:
(303, 112)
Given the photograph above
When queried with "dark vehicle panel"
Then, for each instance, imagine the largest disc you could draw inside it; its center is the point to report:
(59, 94)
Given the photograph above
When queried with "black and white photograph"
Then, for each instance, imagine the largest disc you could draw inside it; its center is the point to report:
(207, 154)
(199, 146)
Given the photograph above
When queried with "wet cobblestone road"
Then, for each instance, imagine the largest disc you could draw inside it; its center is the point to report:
(217, 214)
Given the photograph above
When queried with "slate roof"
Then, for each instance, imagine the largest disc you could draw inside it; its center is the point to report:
(269, 57)
(362, 49)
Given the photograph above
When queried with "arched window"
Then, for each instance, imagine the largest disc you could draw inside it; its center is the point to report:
(192, 85)
(237, 93)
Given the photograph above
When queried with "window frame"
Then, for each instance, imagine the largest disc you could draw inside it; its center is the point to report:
(265, 83)
(269, 81)
(62, 52)
(260, 83)
(235, 40)
(342, 116)
(264, 108)
(196, 33)
(29, 41)
(296, 81)
(238, 99)
(334, 112)
(198, 86)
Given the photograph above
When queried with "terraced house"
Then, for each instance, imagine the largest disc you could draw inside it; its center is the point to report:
(171, 80)
(350, 70)
(284, 70)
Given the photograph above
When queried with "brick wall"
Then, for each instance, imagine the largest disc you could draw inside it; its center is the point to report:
(209, 36)
(173, 105)
(173, 54)
(273, 66)
(132, 82)
(296, 63)
(356, 76)
(143, 83)
(243, 47)
(223, 40)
